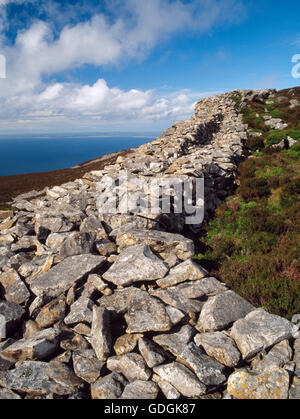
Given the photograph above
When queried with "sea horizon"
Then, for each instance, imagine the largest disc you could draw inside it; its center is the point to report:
(34, 153)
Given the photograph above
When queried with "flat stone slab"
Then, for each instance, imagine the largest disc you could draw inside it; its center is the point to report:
(42, 378)
(183, 379)
(141, 390)
(40, 346)
(174, 297)
(260, 330)
(185, 271)
(152, 353)
(67, 273)
(159, 241)
(209, 371)
(176, 342)
(132, 366)
(219, 346)
(109, 387)
(221, 311)
(205, 287)
(146, 314)
(272, 384)
(15, 289)
(136, 264)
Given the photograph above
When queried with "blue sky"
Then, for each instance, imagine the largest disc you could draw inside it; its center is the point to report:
(136, 65)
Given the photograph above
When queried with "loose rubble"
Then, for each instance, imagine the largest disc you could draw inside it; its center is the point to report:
(113, 306)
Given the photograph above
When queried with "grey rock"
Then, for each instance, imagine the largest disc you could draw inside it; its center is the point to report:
(152, 353)
(261, 330)
(135, 264)
(176, 342)
(167, 389)
(208, 287)
(15, 290)
(182, 379)
(42, 345)
(119, 300)
(294, 393)
(140, 390)
(77, 243)
(67, 273)
(222, 310)
(51, 313)
(87, 366)
(55, 224)
(55, 241)
(186, 271)
(271, 384)
(175, 315)
(81, 311)
(105, 247)
(6, 394)
(132, 366)
(278, 356)
(109, 387)
(126, 343)
(101, 340)
(10, 317)
(175, 298)
(219, 346)
(209, 371)
(42, 378)
(160, 242)
(146, 314)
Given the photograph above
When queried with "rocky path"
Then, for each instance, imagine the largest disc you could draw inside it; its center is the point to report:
(100, 305)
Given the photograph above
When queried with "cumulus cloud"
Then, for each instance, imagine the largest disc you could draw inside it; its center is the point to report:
(129, 31)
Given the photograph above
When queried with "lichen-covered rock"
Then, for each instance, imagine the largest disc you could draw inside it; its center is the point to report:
(51, 313)
(15, 290)
(176, 342)
(81, 311)
(209, 371)
(167, 389)
(42, 345)
(146, 314)
(42, 378)
(159, 241)
(126, 343)
(109, 387)
(132, 366)
(278, 356)
(67, 273)
(140, 390)
(186, 271)
(271, 384)
(219, 346)
(101, 340)
(221, 311)
(136, 264)
(175, 298)
(182, 379)
(86, 365)
(260, 330)
(152, 353)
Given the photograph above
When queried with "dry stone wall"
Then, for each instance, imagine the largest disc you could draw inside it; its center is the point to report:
(100, 305)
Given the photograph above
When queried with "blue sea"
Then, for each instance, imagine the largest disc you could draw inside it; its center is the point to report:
(32, 154)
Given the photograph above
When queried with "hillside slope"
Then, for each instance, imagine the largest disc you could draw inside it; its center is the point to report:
(253, 242)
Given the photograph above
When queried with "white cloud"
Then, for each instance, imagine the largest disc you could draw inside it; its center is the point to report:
(136, 28)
